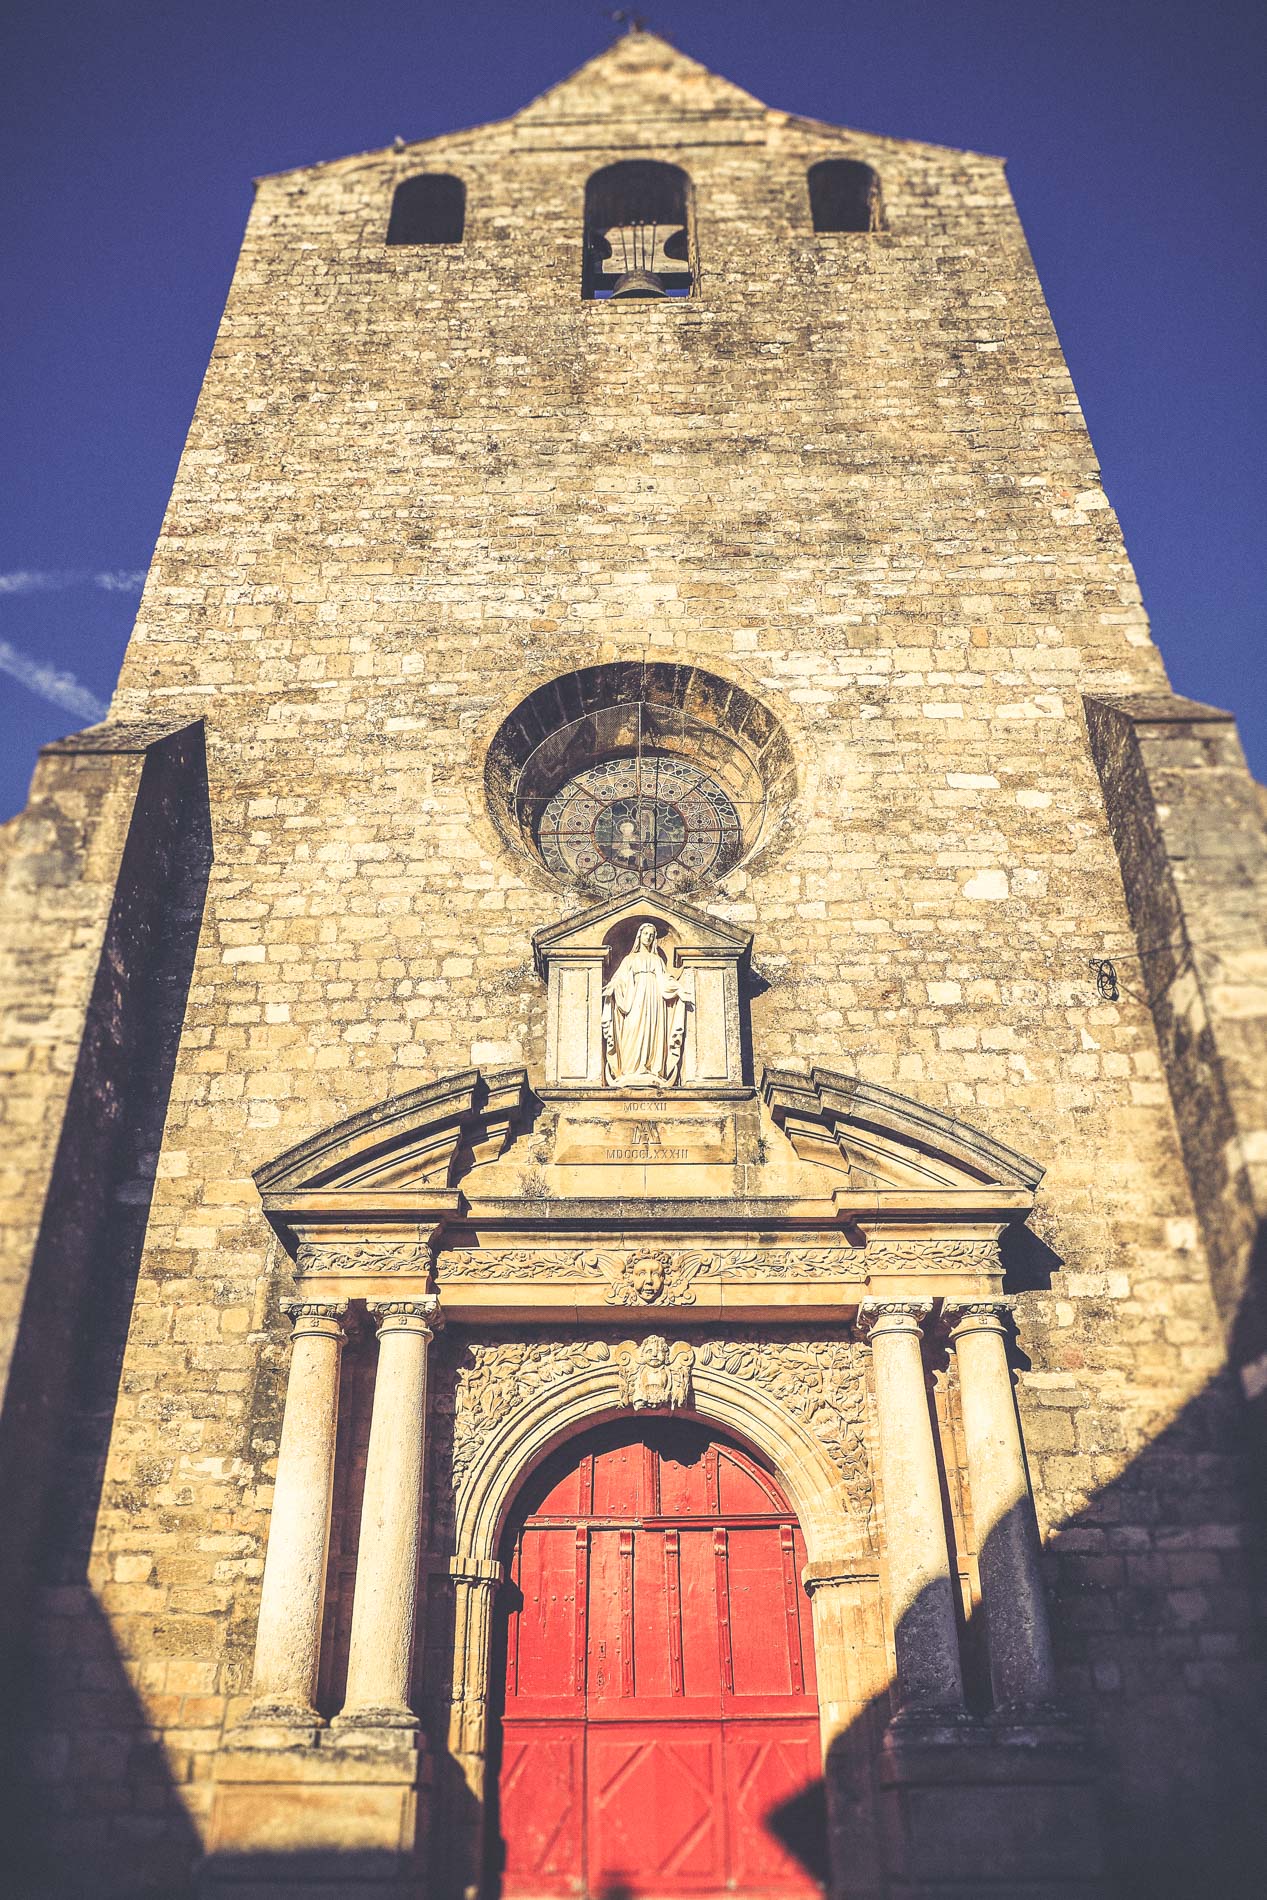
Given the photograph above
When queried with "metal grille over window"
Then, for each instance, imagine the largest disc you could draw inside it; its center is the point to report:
(649, 821)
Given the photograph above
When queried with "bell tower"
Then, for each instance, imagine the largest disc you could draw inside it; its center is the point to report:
(562, 1021)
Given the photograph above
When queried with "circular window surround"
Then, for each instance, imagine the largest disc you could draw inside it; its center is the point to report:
(713, 739)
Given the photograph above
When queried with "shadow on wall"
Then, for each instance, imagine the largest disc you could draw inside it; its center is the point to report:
(1153, 1602)
(1167, 1688)
(75, 1735)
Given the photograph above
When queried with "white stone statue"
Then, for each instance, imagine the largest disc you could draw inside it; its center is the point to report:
(644, 1017)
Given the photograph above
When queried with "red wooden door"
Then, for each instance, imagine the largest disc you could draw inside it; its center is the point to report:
(660, 1696)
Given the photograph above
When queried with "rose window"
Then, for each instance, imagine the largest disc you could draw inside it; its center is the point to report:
(639, 776)
(652, 821)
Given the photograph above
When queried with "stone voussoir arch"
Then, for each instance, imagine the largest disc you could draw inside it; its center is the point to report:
(834, 1531)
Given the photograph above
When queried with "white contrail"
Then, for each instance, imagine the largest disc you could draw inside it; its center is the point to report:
(60, 689)
(123, 580)
(27, 580)
(43, 580)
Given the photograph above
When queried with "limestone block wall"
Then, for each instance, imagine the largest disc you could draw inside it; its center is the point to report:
(849, 474)
(1189, 831)
(96, 870)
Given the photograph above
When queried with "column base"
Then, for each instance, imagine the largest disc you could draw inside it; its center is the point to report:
(395, 1718)
(278, 1725)
(346, 1818)
(1005, 1806)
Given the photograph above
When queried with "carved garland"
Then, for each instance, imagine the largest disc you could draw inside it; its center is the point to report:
(640, 1277)
(819, 1381)
(822, 1382)
(962, 1256)
(313, 1258)
(667, 1271)
(663, 1277)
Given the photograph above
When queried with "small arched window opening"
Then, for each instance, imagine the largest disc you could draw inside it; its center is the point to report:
(428, 209)
(844, 195)
(636, 234)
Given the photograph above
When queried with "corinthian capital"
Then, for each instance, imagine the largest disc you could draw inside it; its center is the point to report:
(419, 1315)
(321, 1319)
(976, 1316)
(876, 1317)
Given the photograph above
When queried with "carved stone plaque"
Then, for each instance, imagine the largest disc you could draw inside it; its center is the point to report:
(657, 1134)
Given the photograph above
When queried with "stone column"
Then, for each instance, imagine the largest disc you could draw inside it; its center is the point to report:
(475, 1585)
(853, 1677)
(921, 1589)
(385, 1603)
(1022, 1671)
(288, 1637)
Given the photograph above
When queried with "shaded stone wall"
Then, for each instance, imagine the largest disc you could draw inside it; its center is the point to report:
(1188, 826)
(61, 868)
(104, 882)
(88, 879)
(850, 475)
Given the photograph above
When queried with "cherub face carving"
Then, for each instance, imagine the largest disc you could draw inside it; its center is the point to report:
(646, 1278)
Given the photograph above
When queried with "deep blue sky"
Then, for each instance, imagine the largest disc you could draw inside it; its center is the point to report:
(130, 131)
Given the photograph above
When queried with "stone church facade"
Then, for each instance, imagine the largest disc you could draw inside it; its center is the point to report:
(637, 1053)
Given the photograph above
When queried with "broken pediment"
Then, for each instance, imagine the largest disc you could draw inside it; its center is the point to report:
(822, 1142)
(878, 1139)
(695, 966)
(401, 1158)
(807, 1154)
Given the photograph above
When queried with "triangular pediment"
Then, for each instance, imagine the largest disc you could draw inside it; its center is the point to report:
(640, 74)
(881, 1140)
(603, 924)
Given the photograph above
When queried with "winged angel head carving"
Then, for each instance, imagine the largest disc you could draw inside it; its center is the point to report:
(654, 1376)
(643, 1279)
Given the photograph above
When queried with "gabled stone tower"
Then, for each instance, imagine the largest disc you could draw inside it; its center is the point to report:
(641, 821)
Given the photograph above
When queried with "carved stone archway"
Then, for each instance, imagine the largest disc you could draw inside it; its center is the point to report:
(740, 1250)
(830, 1494)
(753, 1390)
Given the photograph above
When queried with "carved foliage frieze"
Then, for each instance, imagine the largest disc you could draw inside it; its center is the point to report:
(933, 1256)
(822, 1382)
(657, 1276)
(652, 1276)
(819, 1379)
(493, 1377)
(384, 1257)
(663, 1276)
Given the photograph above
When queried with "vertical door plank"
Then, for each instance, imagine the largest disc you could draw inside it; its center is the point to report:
(626, 1613)
(791, 1609)
(725, 1650)
(673, 1599)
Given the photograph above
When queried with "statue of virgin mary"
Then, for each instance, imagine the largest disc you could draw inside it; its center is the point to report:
(644, 1017)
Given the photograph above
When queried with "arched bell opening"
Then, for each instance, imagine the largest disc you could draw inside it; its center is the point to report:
(844, 195)
(653, 1689)
(637, 233)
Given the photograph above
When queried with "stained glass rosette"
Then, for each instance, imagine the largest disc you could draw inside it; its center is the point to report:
(650, 822)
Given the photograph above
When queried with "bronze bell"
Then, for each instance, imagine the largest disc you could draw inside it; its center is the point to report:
(638, 283)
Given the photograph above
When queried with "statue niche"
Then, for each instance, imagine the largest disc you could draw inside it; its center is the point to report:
(667, 1016)
(644, 1017)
